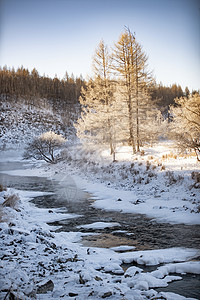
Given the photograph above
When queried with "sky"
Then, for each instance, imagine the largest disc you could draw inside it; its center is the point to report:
(59, 36)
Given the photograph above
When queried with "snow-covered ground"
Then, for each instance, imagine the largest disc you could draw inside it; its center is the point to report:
(20, 123)
(157, 184)
(36, 260)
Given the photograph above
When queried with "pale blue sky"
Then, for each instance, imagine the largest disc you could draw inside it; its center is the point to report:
(56, 36)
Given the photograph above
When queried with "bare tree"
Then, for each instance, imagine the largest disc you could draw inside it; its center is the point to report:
(44, 147)
(130, 63)
(185, 125)
(97, 121)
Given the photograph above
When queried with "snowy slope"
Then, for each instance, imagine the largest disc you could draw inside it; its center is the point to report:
(20, 123)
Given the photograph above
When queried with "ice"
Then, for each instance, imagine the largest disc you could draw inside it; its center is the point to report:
(131, 271)
(156, 257)
(180, 268)
(99, 225)
(122, 248)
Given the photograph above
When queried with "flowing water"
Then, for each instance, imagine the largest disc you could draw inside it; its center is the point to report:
(134, 230)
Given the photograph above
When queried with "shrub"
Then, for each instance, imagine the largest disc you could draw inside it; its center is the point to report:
(136, 172)
(151, 174)
(170, 176)
(196, 176)
(150, 157)
(11, 201)
(142, 153)
(2, 188)
(148, 164)
(172, 179)
(139, 180)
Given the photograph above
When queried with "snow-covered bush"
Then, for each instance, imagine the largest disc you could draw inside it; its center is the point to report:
(44, 147)
(11, 201)
(8, 200)
(196, 177)
(172, 179)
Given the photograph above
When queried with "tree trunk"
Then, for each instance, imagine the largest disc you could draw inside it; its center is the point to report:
(137, 107)
(137, 125)
(196, 152)
(131, 123)
(114, 156)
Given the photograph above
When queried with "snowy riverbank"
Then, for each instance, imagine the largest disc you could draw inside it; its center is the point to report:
(36, 260)
(158, 184)
(39, 262)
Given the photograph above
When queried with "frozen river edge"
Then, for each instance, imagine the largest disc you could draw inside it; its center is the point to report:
(56, 263)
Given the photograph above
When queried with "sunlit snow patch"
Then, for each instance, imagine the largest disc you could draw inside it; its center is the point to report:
(122, 248)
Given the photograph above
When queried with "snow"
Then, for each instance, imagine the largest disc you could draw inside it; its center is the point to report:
(168, 209)
(99, 225)
(156, 257)
(114, 268)
(35, 255)
(122, 248)
(21, 123)
(181, 268)
(44, 256)
(174, 204)
(131, 271)
(159, 187)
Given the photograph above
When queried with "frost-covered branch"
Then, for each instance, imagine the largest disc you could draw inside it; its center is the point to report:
(185, 128)
(44, 146)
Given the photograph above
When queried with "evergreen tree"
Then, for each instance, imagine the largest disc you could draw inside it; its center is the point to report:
(187, 92)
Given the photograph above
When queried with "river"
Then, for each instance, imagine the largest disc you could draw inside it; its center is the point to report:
(135, 230)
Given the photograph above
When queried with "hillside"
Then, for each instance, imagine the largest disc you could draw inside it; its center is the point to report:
(20, 122)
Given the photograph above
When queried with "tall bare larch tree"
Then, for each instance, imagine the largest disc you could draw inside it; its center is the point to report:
(97, 122)
(130, 63)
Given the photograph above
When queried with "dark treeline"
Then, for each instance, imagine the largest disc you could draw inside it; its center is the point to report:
(19, 84)
(166, 95)
(64, 94)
